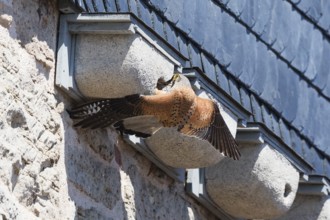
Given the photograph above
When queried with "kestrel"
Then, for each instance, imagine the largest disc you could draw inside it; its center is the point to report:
(143, 115)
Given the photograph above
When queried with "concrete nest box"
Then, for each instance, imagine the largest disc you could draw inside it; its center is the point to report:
(108, 66)
(107, 56)
(110, 56)
(261, 185)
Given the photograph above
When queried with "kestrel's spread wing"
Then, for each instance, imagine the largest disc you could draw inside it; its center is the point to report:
(179, 108)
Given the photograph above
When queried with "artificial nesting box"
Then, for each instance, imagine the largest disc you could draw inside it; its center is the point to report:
(110, 66)
(261, 185)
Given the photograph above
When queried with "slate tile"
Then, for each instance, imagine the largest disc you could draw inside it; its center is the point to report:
(144, 13)
(312, 8)
(238, 54)
(322, 66)
(324, 21)
(276, 125)
(132, 5)
(158, 25)
(303, 5)
(234, 89)
(311, 156)
(266, 117)
(170, 35)
(296, 142)
(203, 19)
(268, 33)
(261, 16)
(327, 167)
(256, 109)
(230, 43)
(285, 132)
(183, 48)
(245, 99)
(315, 53)
(208, 68)
(110, 5)
(246, 64)
(249, 13)
(222, 79)
(286, 28)
(261, 65)
(180, 13)
(89, 5)
(326, 151)
(288, 89)
(318, 163)
(269, 91)
(308, 123)
(206, 17)
(320, 125)
(305, 148)
(122, 5)
(274, 30)
(194, 55)
(326, 90)
(305, 98)
(159, 5)
(237, 7)
(177, 10)
(99, 6)
(301, 53)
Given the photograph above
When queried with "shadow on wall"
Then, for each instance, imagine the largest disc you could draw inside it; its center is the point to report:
(93, 176)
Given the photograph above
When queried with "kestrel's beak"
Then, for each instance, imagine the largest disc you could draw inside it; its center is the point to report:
(162, 83)
(175, 78)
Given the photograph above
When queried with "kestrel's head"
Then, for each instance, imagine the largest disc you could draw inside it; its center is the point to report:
(161, 83)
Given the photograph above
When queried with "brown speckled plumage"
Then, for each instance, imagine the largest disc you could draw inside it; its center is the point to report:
(179, 108)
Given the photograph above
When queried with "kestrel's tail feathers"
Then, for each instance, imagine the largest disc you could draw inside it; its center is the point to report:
(104, 112)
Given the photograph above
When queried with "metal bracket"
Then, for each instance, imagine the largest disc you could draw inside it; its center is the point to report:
(195, 187)
(258, 133)
(315, 185)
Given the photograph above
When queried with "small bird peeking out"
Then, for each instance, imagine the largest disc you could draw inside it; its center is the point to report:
(143, 115)
(161, 83)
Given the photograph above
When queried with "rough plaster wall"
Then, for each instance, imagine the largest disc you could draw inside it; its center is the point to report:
(49, 170)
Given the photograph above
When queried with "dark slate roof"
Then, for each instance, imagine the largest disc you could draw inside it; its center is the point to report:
(271, 56)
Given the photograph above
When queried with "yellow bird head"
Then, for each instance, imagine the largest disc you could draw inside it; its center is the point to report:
(161, 83)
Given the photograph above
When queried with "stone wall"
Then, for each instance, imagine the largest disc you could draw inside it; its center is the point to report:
(50, 170)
